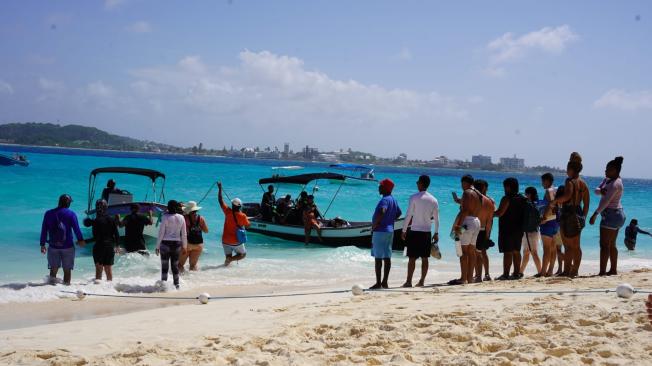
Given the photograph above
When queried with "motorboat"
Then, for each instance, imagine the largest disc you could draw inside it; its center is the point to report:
(355, 173)
(120, 200)
(335, 231)
(16, 159)
(287, 167)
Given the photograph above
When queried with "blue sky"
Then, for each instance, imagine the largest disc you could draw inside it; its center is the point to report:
(537, 79)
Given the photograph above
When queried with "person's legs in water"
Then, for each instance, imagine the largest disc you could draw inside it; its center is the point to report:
(165, 261)
(98, 271)
(108, 270)
(183, 258)
(174, 263)
(53, 275)
(410, 272)
(424, 271)
(67, 276)
(194, 256)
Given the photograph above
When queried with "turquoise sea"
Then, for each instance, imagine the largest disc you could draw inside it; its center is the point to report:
(26, 193)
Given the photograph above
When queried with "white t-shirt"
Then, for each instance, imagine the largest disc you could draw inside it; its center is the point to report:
(423, 210)
(173, 228)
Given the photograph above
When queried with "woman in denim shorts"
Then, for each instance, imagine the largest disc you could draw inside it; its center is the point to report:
(613, 216)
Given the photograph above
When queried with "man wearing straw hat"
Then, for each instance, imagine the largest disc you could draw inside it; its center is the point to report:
(195, 226)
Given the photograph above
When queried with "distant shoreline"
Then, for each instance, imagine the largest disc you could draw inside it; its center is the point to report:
(281, 161)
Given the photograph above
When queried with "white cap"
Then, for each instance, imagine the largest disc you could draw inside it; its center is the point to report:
(236, 202)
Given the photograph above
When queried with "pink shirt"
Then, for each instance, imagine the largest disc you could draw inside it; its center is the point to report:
(611, 191)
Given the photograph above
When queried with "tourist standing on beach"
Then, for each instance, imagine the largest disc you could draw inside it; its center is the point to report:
(467, 227)
(575, 207)
(172, 241)
(134, 225)
(613, 216)
(423, 212)
(531, 235)
(57, 228)
(484, 242)
(631, 232)
(510, 229)
(107, 240)
(382, 237)
(549, 227)
(234, 220)
(195, 227)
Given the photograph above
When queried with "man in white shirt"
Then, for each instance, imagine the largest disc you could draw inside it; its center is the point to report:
(423, 211)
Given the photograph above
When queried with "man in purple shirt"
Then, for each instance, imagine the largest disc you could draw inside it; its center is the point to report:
(58, 226)
(387, 211)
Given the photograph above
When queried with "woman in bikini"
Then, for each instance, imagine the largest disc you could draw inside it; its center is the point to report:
(575, 207)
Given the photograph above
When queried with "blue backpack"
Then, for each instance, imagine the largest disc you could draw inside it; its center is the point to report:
(58, 233)
(240, 232)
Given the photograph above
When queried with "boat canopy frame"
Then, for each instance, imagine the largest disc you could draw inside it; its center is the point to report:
(153, 175)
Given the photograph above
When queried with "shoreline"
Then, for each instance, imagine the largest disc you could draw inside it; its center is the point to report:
(218, 157)
(402, 326)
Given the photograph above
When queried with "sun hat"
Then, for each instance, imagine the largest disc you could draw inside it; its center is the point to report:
(191, 206)
(236, 202)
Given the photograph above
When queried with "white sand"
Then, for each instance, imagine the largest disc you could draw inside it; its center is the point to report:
(403, 327)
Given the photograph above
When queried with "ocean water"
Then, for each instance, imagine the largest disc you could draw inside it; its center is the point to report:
(26, 193)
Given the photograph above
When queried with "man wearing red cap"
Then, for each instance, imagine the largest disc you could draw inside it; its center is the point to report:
(387, 211)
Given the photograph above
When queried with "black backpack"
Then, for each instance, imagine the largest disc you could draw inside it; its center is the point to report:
(532, 216)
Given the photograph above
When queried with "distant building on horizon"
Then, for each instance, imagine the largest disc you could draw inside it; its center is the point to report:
(309, 153)
(286, 150)
(513, 163)
(481, 161)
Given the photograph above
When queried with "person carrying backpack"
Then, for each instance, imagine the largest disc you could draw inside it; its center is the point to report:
(531, 236)
(57, 229)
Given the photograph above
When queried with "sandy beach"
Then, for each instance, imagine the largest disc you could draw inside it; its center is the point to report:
(434, 325)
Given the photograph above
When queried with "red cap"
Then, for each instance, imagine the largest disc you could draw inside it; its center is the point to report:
(387, 184)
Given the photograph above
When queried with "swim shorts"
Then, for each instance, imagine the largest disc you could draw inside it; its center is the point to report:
(103, 254)
(61, 258)
(418, 244)
(237, 249)
(381, 244)
(470, 235)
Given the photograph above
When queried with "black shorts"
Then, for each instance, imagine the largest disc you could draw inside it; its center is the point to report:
(103, 254)
(418, 244)
(509, 241)
(483, 243)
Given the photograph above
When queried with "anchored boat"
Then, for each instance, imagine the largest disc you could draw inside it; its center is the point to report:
(356, 173)
(120, 200)
(16, 159)
(335, 232)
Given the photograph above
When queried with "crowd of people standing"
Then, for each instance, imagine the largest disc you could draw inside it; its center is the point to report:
(526, 222)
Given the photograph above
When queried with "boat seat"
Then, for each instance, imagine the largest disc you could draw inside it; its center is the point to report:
(118, 199)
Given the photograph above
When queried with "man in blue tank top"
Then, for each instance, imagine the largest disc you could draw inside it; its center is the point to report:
(387, 211)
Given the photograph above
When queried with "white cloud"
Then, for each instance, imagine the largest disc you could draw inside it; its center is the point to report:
(624, 100)
(49, 85)
(140, 26)
(267, 99)
(112, 4)
(6, 88)
(510, 48)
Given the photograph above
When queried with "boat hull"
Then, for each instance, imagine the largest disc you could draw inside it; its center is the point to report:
(8, 161)
(358, 234)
